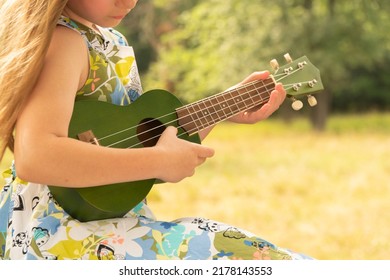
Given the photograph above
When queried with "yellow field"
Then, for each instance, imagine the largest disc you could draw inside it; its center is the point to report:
(323, 194)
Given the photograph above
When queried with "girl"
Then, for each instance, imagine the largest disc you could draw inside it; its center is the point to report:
(54, 52)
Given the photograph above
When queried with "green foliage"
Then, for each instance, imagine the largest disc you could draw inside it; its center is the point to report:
(216, 44)
(202, 47)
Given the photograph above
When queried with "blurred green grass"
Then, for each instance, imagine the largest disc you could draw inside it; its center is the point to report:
(323, 194)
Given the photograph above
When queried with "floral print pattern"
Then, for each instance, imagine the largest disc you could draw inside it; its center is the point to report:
(34, 226)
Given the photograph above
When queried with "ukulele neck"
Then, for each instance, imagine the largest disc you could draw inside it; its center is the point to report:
(204, 113)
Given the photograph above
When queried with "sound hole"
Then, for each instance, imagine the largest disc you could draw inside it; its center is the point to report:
(149, 131)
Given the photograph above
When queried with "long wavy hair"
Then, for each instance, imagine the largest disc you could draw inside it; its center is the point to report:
(26, 28)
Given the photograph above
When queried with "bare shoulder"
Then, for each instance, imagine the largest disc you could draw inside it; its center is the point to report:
(50, 104)
(64, 71)
(66, 40)
(68, 52)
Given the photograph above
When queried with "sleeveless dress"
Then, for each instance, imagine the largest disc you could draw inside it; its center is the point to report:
(34, 226)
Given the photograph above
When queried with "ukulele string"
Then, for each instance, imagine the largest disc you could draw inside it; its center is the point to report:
(259, 102)
(177, 119)
(190, 131)
(161, 117)
(287, 86)
(173, 113)
(195, 129)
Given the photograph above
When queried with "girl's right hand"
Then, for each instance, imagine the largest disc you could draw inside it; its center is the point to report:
(181, 157)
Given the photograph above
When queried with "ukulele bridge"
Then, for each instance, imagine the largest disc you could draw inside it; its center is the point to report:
(88, 137)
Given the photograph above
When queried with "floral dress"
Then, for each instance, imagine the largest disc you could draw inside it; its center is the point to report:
(34, 226)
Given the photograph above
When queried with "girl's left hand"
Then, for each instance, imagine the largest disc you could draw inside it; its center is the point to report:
(260, 113)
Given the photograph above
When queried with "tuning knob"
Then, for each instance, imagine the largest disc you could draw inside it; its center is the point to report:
(312, 100)
(297, 104)
(274, 64)
(288, 58)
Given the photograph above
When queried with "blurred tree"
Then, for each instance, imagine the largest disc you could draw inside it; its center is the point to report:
(147, 23)
(215, 45)
(344, 37)
(197, 48)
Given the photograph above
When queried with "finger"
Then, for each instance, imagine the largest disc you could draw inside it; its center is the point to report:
(256, 76)
(201, 160)
(275, 100)
(264, 112)
(168, 133)
(205, 152)
(279, 87)
(263, 74)
(171, 130)
(282, 92)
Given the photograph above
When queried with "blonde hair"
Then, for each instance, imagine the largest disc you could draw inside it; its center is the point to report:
(26, 28)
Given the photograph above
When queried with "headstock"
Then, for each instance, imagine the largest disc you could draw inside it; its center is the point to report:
(299, 78)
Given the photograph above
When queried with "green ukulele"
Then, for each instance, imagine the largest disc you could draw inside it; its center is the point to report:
(141, 123)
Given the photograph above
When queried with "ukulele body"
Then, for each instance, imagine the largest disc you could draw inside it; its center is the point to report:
(134, 126)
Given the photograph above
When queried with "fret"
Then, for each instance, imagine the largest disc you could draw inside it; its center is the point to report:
(252, 98)
(204, 114)
(258, 99)
(187, 119)
(237, 101)
(197, 114)
(231, 104)
(209, 111)
(269, 87)
(226, 104)
(241, 98)
(224, 110)
(213, 110)
(245, 98)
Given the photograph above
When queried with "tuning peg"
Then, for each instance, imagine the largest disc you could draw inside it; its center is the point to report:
(288, 58)
(296, 86)
(312, 100)
(296, 104)
(302, 64)
(274, 64)
(312, 83)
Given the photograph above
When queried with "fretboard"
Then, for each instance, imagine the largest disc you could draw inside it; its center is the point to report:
(204, 113)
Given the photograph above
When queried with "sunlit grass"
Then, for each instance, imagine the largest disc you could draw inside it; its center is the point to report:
(324, 194)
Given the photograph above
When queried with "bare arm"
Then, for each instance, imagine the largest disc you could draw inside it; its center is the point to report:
(44, 154)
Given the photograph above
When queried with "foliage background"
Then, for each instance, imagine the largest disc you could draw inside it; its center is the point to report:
(198, 47)
(315, 181)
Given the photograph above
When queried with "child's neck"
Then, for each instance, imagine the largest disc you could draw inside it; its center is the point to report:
(81, 20)
(88, 24)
